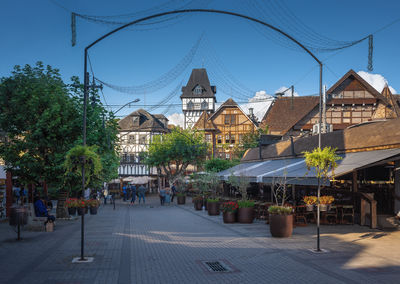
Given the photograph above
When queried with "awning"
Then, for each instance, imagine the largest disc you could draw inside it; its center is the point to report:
(294, 170)
(138, 180)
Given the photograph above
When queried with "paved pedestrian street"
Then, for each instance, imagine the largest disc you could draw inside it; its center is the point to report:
(171, 244)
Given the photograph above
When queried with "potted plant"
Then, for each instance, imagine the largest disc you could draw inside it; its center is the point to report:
(229, 210)
(325, 201)
(81, 207)
(71, 204)
(93, 206)
(280, 221)
(280, 215)
(246, 207)
(180, 184)
(213, 206)
(310, 201)
(198, 202)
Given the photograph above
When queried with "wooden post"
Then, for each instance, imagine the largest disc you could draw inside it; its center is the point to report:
(9, 193)
(30, 193)
(362, 212)
(355, 181)
(45, 191)
(373, 214)
(396, 187)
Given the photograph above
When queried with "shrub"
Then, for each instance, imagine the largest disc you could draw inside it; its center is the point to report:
(280, 210)
(71, 202)
(212, 200)
(245, 204)
(326, 199)
(93, 203)
(310, 200)
(197, 198)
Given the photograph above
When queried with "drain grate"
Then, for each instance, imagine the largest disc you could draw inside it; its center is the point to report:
(216, 266)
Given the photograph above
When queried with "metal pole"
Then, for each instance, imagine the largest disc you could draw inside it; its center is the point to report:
(85, 95)
(318, 217)
(319, 146)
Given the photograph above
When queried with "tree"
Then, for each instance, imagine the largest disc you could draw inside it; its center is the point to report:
(174, 151)
(39, 118)
(241, 183)
(217, 164)
(250, 140)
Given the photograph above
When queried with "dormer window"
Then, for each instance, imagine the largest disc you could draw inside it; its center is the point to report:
(198, 90)
(190, 105)
(135, 120)
(204, 105)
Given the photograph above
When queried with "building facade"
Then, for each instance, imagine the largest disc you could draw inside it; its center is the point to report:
(136, 131)
(350, 101)
(197, 96)
(224, 130)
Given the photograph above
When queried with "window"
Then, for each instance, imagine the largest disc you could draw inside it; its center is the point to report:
(230, 119)
(208, 138)
(131, 139)
(135, 120)
(204, 105)
(190, 105)
(219, 139)
(227, 138)
(240, 138)
(228, 156)
(198, 90)
(233, 136)
(142, 138)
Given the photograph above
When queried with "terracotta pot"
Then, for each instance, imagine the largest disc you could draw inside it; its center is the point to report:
(281, 226)
(72, 211)
(198, 205)
(229, 217)
(93, 210)
(213, 208)
(246, 215)
(181, 199)
(81, 211)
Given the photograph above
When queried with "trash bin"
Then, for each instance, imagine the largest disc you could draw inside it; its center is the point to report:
(18, 215)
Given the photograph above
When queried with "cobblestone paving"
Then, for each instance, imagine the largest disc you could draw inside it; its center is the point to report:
(168, 244)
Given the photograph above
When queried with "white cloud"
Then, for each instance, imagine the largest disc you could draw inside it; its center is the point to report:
(260, 104)
(176, 119)
(376, 80)
(287, 93)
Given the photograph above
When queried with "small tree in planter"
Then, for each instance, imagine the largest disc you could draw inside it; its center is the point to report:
(246, 207)
(229, 210)
(181, 185)
(322, 161)
(211, 180)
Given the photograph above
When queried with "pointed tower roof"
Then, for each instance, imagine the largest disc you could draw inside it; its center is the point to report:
(391, 99)
(198, 77)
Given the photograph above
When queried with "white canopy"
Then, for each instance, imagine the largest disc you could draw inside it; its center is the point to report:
(138, 180)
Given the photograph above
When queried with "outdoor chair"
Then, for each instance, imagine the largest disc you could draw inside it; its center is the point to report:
(300, 216)
(331, 214)
(347, 212)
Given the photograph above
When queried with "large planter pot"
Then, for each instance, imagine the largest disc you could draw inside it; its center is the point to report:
(229, 217)
(246, 215)
(81, 211)
(93, 210)
(323, 207)
(205, 204)
(198, 205)
(281, 226)
(72, 211)
(213, 208)
(309, 207)
(181, 199)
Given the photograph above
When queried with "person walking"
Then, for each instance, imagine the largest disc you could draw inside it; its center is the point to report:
(124, 192)
(173, 192)
(133, 193)
(142, 192)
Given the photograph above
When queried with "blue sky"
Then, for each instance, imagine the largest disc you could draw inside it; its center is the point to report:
(256, 58)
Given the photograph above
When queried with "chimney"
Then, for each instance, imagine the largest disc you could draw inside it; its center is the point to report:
(251, 114)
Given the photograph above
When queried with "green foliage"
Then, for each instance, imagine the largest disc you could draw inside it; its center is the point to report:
(174, 151)
(250, 140)
(218, 165)
(87, 157)
(212, 200)
(322, 160)
(245, 204)
(280, 210)
(241, 183)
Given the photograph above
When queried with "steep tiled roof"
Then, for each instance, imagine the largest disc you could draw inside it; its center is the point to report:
(362, 137)
(285, 112)
(204, 123)
(147, 122)
(391, 99)
(198, 77)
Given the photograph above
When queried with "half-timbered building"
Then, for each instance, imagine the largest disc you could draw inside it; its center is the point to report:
(197, 96)
(350, 101)
(225, 128)
(136, 131)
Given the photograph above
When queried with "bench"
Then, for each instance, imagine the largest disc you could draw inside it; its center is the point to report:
(35, 223)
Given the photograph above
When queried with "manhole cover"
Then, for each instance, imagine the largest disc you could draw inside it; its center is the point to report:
(216, 266)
